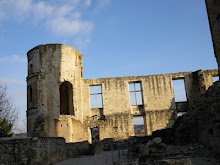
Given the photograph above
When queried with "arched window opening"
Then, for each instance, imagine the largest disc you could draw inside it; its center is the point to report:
(66, 99)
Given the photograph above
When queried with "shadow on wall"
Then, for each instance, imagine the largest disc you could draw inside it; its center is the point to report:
(160, 119)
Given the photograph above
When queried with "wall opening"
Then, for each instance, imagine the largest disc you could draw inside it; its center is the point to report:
(95, 96)
(135, 93)
(139, 125)
(95, 134)
(179, 90)
(180, 114)
(214, 79)
(180, 97)
(30, 94)
(66, 99)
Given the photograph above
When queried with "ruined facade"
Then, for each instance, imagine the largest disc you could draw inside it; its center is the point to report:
(63, 104)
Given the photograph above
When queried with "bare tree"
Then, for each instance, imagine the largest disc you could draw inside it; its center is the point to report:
(8, 111)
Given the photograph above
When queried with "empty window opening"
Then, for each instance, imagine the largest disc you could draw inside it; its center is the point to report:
(30, 94)
(214, 79)
(66, 99)
(179, 91)
(135, 93)
(139, 125)
(95, 134)
(96, 96)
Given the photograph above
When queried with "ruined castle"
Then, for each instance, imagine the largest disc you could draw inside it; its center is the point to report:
(63, 104)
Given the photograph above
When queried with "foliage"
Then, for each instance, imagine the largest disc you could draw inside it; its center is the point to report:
(8, 113)
(5, 128)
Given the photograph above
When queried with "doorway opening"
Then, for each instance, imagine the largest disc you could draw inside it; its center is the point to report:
(95, 134)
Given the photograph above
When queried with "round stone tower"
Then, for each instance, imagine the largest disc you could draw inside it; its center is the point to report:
(53, 87)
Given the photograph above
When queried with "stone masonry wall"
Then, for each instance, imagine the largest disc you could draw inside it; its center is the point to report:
(55, 77)
(49, 66)
(39, 151)
(202, 123)
(157, 95)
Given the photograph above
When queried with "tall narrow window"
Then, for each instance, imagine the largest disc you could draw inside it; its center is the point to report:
(179, 90)
(31, 68)
(30, 93)
(96, 96)
(135, 93)
(66, 98)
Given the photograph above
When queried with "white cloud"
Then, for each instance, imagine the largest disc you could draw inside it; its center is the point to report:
(15, 8)
(62, 18)
(65, 27)
(13, 59)
(42, 11)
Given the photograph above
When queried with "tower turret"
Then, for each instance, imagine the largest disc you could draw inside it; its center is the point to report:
(53, 87)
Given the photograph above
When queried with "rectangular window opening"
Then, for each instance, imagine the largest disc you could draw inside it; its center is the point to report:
(179, 90)
(96, 96)
(214, 79)
(139, 125)
(135, 93)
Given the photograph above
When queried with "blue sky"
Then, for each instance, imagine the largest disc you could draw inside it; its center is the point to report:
(117, 37)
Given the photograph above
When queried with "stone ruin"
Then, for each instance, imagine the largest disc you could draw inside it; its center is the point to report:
(61, 104)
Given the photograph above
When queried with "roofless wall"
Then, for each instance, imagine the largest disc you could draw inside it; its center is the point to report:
(63, 104)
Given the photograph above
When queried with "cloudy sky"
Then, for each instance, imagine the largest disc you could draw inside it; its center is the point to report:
(117, 37)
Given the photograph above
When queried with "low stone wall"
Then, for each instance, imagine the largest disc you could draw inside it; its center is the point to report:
(34, 151)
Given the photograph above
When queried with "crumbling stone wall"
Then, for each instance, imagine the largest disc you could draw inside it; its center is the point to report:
(158, 109)
(197, 83)
(59, 97)
(157, 96)
(49, 66)
(39, 151)
(201, 124)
